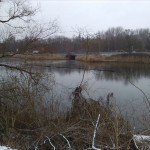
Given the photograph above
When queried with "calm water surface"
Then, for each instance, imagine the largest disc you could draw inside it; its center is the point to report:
(99, 80)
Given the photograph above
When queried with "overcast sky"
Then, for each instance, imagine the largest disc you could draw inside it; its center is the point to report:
(95, 15)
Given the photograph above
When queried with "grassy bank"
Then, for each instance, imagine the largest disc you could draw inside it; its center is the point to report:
(41, 56)
(124, 58)
(28, 121)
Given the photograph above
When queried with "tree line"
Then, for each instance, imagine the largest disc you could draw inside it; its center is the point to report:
(112, 40)
(20, 33)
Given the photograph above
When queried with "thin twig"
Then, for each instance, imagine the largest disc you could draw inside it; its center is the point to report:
(87, 49)
(50, 142)
(15, 68)
(11, 55)
(69, 146)
(147, 100)
(95, 130)
(135, 144)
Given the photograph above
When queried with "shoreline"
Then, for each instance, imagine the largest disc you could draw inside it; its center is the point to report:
(123, 58)
(40, 56)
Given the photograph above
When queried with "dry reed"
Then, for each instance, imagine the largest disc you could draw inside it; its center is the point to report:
(27, 122)
(41, 56)
(115, 58)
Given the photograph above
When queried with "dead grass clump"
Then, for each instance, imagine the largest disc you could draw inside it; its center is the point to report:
(130, 58)
(126, 58)
(77, 126)
(112, 126)
(41, 56)
(90, 58)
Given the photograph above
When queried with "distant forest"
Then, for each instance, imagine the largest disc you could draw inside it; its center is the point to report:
(112, 40)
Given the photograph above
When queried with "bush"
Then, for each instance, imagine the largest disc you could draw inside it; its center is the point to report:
(26, 121)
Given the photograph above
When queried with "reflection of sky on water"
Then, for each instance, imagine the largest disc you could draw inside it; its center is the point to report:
(114, 78)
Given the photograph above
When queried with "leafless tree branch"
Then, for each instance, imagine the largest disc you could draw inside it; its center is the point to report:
(18, 9)
(69, 146)
(50, 142)
(16, 68)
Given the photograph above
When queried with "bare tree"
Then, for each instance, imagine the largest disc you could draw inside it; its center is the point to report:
(36, 32)
(16, 9)
(17, 22)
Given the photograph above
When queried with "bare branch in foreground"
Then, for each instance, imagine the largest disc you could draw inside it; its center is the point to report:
(15, 68)
(69, 146)
(147, 100)
(50, 142)
(95, 130)
(17, 9)
(94, 135)
(7, 55)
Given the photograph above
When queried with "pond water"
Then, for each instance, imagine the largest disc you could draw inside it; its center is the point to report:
(99, 79)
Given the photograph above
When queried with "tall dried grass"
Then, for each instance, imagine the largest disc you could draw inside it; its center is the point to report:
(91, 58)
(27, 121)
(128, 58)
(132, 58)
(41, 56)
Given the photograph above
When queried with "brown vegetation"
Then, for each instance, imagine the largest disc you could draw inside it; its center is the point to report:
(41, 56)
(116, 58)
(27, 121)
(123, 58)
